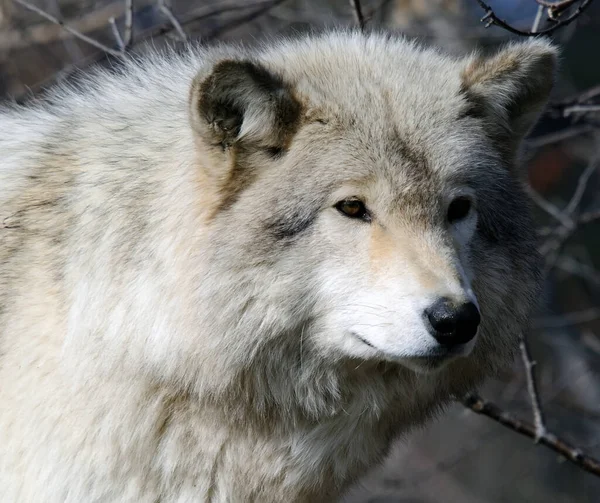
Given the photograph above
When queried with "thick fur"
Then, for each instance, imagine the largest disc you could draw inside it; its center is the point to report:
(185, 315)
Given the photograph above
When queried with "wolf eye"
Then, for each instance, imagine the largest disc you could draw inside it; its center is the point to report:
(459, 209)
(353, 208)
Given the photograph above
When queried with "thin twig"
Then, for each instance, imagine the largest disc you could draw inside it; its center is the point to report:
(532, 389)
(581, 109)
(576, 105)
(128, 32)
(538, 19)
(582, 184)
(569, 452)
(116, 34)
(490, 18)
(45, 33)
(358, 14)
(556, 8)
(588, 94)
(558, 136)
(562, 231)
(576, 268)
(551, 209)
(558, 237)
(257, 9)
(265, 7)
(165, 7)
(75, 33)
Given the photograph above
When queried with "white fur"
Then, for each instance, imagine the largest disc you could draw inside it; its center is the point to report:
(154, 347)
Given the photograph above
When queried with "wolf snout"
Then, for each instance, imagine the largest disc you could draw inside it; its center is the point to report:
(453, 323)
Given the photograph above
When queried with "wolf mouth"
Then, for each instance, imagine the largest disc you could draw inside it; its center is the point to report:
(433, 359)
(365, 341)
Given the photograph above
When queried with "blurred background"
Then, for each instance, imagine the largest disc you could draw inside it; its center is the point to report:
(463, 456)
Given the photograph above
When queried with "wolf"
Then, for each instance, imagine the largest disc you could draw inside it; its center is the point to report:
(239, 273)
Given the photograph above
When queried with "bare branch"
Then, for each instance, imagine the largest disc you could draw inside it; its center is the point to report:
(44, 33)
(558, 136)
(559, 235)
(538, 19)
(581, 109)
(117, 35)
(67, 28)
(256, 9)
(538, 415)
(588, 94)
(358, 14)
(578, 105)
(556, 8)
(569, 452)
(576, 268)
(128, 32)
(490, 18)
(564, 232)
(165, 7)
(550, 209)
(582, 184)
(261, 9)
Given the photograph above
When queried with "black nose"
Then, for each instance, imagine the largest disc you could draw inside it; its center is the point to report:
(453, 323)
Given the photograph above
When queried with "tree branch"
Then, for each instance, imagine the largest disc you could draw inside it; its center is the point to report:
(532, 389)
(581, 109)
(67, 28)
(128, 33)
(568, 217)
(551, 209)
(116, 34)
(582, 184)
(490, 18)
(569, 452)
(538, 19)
(556, 8)
(165, 7)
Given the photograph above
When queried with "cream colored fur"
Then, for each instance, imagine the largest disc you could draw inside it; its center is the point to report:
(160, 341)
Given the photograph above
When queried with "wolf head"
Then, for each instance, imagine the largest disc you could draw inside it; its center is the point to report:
(369, 204)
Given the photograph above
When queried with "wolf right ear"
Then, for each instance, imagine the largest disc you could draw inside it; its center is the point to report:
(243, 102)
(511, 87)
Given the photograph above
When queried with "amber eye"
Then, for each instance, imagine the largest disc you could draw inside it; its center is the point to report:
(459, 209)
(353, 208)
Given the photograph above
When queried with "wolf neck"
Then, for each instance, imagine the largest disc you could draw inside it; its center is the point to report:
(295, 439)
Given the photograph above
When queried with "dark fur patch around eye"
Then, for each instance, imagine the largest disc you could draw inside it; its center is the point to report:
(287, 226)
(410, 153)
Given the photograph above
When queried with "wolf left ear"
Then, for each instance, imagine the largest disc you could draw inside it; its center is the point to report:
(243, 102)
(513, 86)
